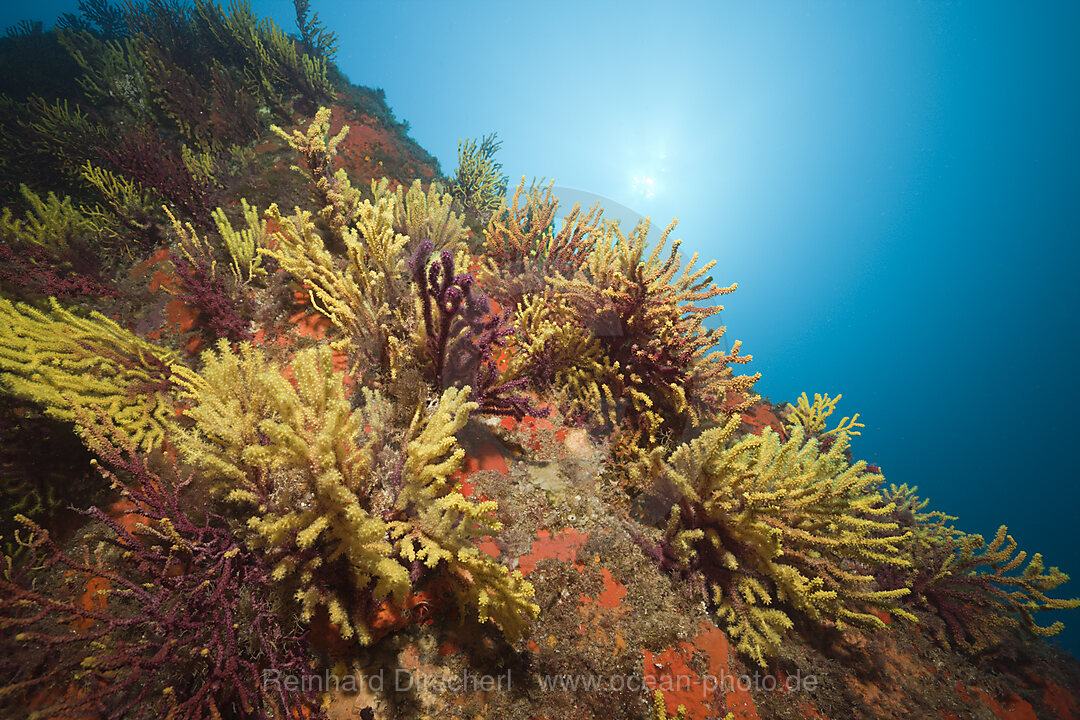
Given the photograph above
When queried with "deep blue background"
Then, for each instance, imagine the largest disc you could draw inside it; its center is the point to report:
(893, 185)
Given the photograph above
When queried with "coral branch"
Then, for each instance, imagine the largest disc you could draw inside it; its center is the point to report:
(772, 528)
(461, 334)
(973, 588)
(60, 360)
(176, 621)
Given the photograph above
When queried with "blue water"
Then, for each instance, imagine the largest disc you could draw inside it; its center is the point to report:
(893, 185)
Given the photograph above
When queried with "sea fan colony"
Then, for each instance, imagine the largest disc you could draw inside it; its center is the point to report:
(347, 345)
(772, 527)
(175, 617)
(972, 593)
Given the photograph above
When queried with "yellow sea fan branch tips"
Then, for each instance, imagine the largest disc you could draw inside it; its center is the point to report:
(812, 418)
(796, 529)
(243, 245)
(362, 296)
(660, 360)
(298, 463)
(444, 525)
(291, 458)
(974, 593)
(63, 361)
(50, 223)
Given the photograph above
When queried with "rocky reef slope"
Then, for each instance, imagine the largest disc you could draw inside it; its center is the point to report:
(294, 425)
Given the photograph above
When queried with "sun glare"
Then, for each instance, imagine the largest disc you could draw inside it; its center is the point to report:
(645, 186)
